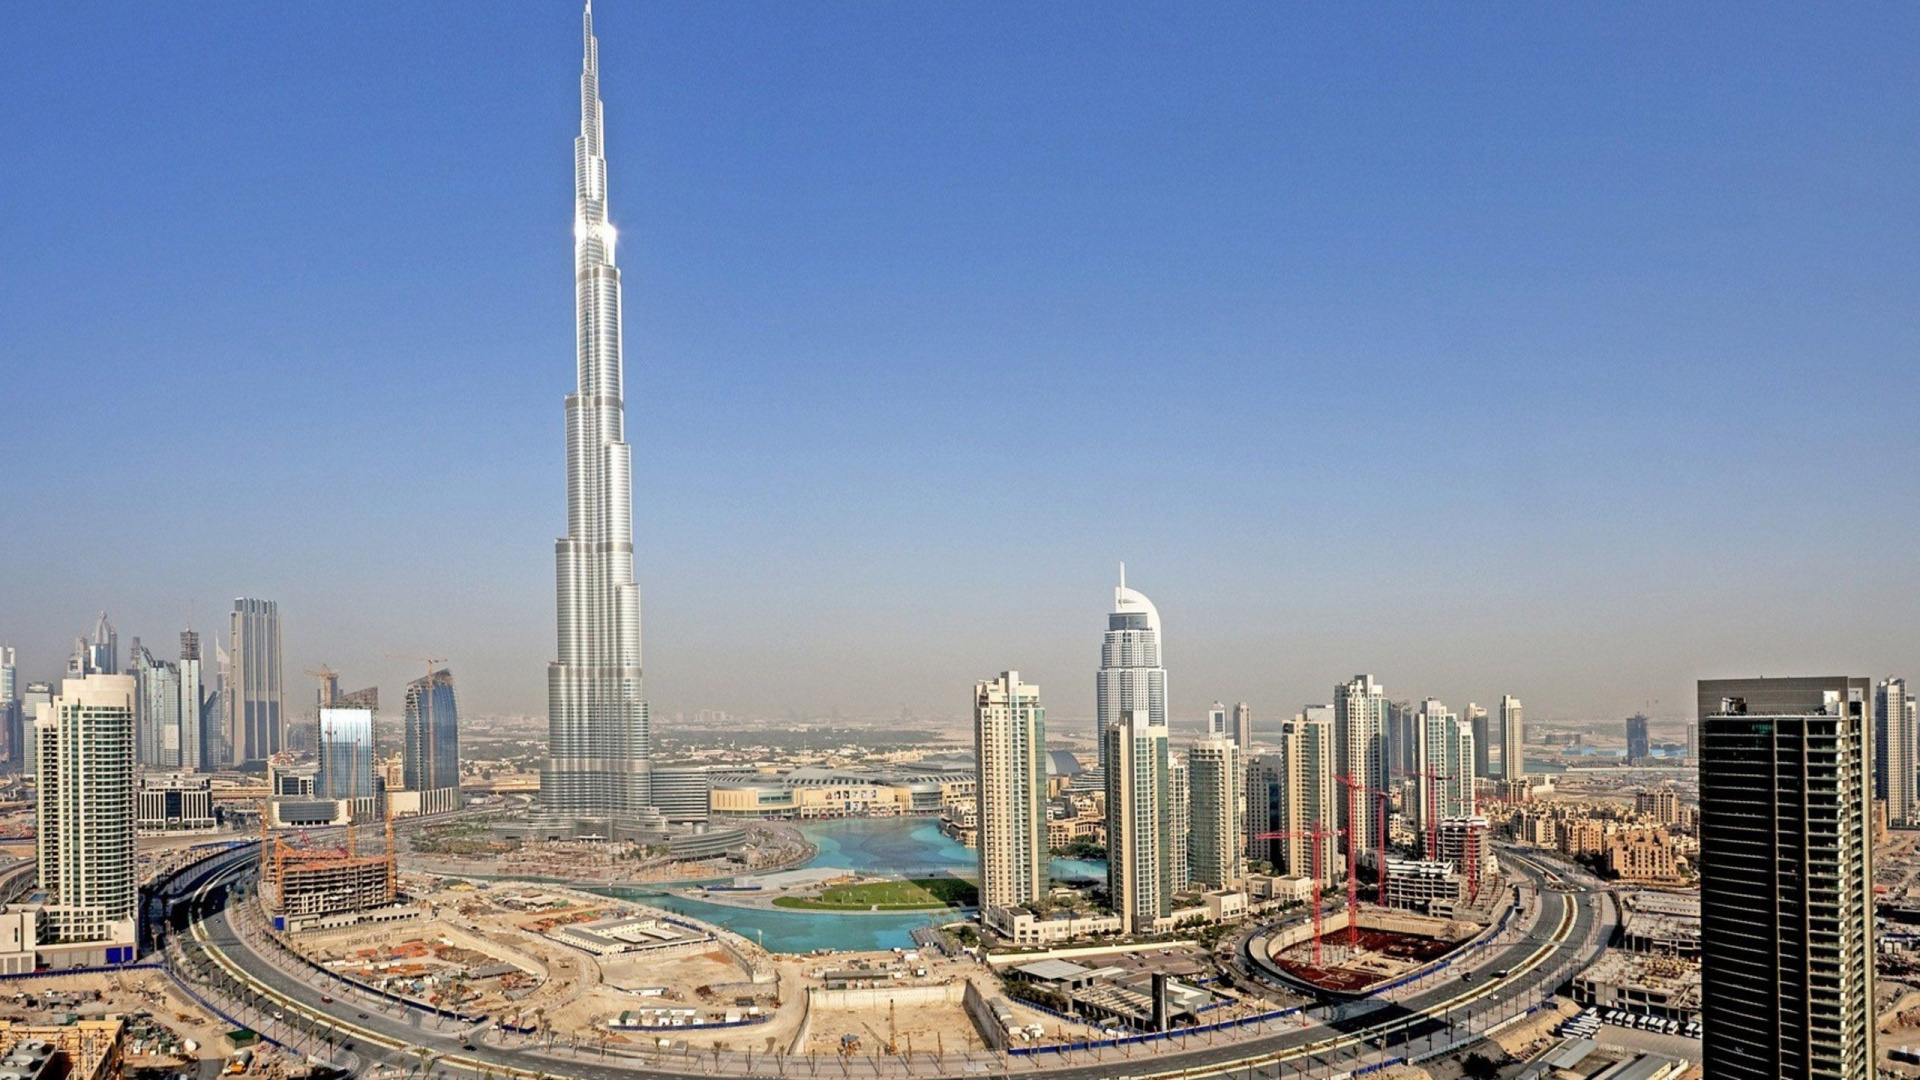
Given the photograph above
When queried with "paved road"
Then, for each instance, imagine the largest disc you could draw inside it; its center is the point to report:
(1444, 1013)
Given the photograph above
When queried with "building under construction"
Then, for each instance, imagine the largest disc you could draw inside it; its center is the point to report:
(314, 887)
(308, 883)
(319, 888)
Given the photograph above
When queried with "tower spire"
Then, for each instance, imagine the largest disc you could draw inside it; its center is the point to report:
(598, 737)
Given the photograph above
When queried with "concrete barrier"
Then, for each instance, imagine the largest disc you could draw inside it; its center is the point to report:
(980, 1011)
(873, 997)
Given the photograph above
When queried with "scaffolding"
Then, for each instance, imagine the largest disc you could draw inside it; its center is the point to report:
(320, 881)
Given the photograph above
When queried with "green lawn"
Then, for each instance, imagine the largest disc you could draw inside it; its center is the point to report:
(919, 894)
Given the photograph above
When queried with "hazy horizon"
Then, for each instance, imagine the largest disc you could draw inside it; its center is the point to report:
(1566, 353)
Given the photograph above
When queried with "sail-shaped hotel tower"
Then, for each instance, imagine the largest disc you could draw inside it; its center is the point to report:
(598, 739)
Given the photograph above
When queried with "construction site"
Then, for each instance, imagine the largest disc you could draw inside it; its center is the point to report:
(1355, 959)
(310, 886)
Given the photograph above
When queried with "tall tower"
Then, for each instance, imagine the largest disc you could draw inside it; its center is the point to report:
(1360, 734)
(1638, 745)
(1010, 745)
(430, 741)
(255, 698)
(1293, 791)
(103, 653)
(1179, 824)
(1513, 758)
(156, 707)
(1216, 787)
(1444, 785)
(1786, 878)
(598, 742)
(1480, 724)
(192, 704)
(1131, 679)
(1893, 751)
(346, 754)
(1243, 728)
(86, 813)
(1139, 824)
(12, 733)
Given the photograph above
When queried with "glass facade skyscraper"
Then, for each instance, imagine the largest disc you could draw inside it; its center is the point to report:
(12, 734)
(346, 754)
(193, 704)
(431, 744)
(1131, 679)
(598, 742)
(1786, 878)
(254, 690)
(157, 707)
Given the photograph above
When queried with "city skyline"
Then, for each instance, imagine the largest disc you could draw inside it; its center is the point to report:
(1266, 287)
(1440, 290)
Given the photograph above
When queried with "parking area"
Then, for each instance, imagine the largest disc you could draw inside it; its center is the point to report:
(1648, 1042)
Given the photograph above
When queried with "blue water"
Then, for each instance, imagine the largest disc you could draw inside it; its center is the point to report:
(1077, 869)
(1617, 752)
(911, 847)
(802, 931)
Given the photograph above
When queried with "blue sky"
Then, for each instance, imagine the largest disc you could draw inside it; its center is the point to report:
(1567, 351)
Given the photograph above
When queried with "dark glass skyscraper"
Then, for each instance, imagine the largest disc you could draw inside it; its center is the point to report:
(1639, 747)
(1786, 897)
(431, 755)
(254, 697)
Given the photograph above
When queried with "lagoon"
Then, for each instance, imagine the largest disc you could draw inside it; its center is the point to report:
(909, 847)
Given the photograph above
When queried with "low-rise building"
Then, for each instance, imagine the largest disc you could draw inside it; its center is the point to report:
(1225, 905)
(175, 803)
(1582, 836)
(1644, 855)
(1662, 924)
(1270, 889)
(83, 1050)
(815, 792)
(1022, 927)
(1660, 804)
(627, 934)
(1663, 986)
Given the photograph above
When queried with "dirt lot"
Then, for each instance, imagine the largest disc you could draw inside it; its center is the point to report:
(124, 994)
(1390, 953)
(923, 1025)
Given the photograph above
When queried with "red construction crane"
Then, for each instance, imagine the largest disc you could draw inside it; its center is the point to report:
(1470, 849)
(1381, 838)
(1354, 841)
(1431, 809)
(1386, 812)
(1434, 777)
(1318, 835)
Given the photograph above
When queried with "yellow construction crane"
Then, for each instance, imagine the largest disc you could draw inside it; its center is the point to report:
(329, 683)
(432, 662)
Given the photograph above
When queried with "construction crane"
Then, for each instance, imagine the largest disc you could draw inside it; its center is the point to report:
(329, 683)
(1353, 865)
(1386, 811)
(428, 744)
(1317, 834)
(1434, 778)
(1430, 806)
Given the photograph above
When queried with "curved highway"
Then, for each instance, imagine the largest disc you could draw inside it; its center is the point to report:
(329, 1018)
